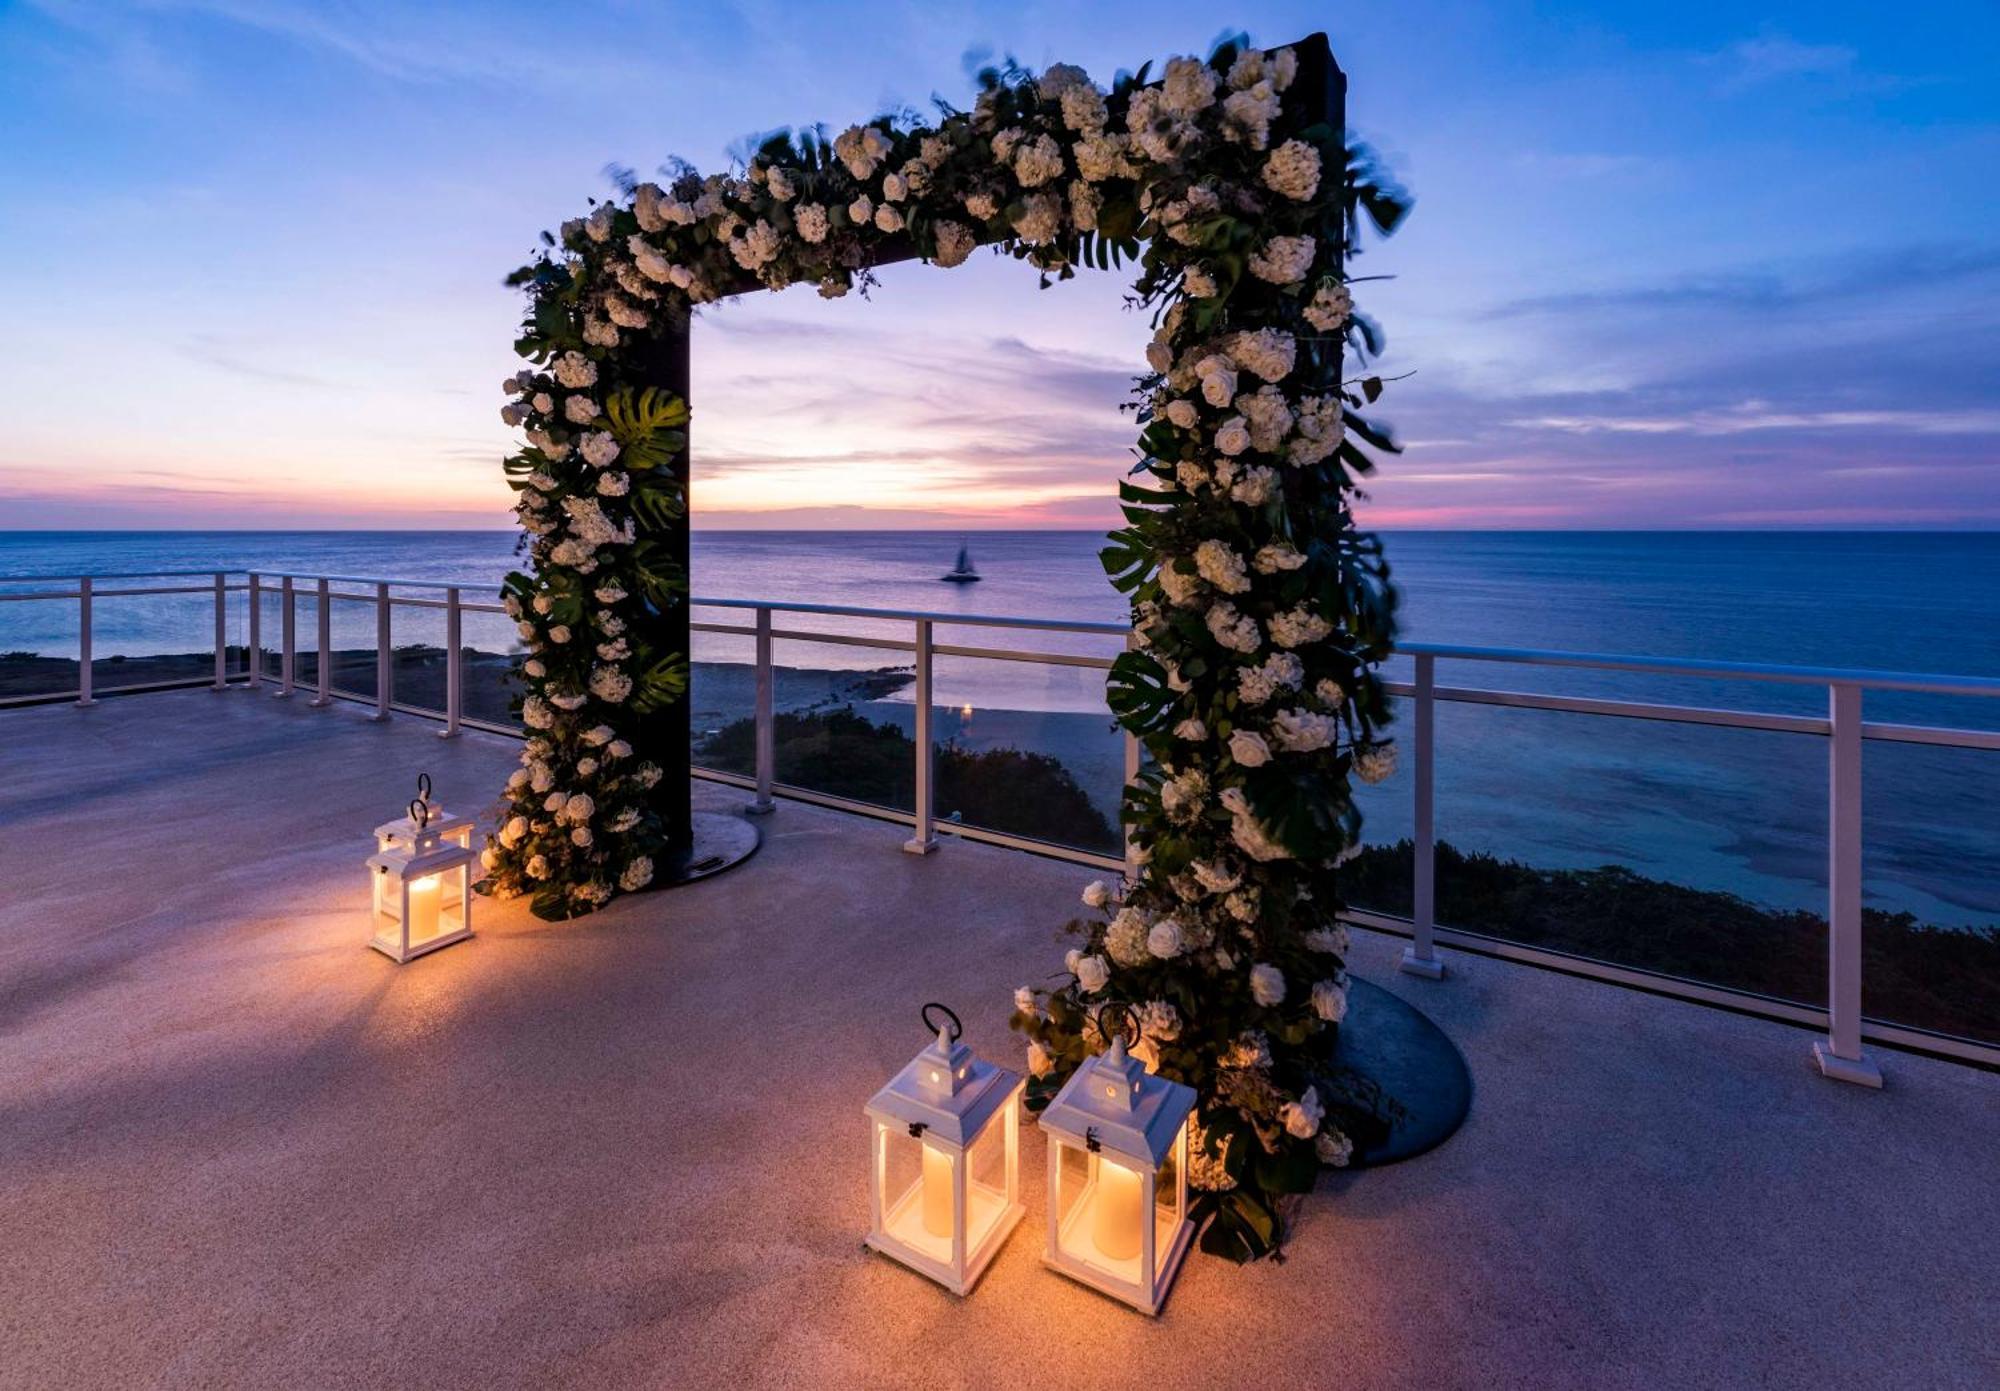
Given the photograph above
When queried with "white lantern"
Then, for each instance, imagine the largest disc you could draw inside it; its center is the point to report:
(403, 830)
(422, 891)
(1118, 1140)
(944, 1155)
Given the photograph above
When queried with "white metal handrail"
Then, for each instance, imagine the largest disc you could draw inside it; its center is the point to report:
(1843, 726)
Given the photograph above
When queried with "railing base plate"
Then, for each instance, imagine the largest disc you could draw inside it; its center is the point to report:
(920, 847)
(1859, 1071)
(1429, 967)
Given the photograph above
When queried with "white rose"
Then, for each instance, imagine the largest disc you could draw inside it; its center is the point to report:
(1093, 973)
(1329, 1000)
(1249, 749)
(1096, 893)
(1164, 941)
(1302, 1117)
(1024, 1000)
(1267, 985)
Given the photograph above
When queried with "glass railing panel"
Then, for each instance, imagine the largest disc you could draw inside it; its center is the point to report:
(417, 655)
(722, 690)
(490, 646)
(352, 640)
(1696, 852)
(145, 639)
(38, 640)
(1027, 748)
(835, 728)
(1930, 921)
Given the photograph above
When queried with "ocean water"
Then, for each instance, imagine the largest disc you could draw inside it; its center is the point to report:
(1737, 810)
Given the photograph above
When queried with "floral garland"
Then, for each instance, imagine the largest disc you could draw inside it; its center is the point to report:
(1260, 612)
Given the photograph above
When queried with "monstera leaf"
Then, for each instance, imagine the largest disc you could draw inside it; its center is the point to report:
(660, 684)
(658, 573)
(646, 426)
(658, 501)
(1137, 691)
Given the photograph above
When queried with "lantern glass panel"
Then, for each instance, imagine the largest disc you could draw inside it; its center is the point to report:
(1103, 1225)
(986, 1182)
(915, 1181)
(1167, 1202)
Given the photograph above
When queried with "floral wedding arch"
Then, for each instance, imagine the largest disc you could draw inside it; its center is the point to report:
(1261, 612)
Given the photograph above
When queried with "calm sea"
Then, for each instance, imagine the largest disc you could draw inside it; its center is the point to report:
(1731, 809)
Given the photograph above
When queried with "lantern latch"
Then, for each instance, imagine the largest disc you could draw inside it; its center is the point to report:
(1090, 1140)
(916, 1130)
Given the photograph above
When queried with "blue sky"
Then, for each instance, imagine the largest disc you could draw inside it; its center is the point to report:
(1670, 266)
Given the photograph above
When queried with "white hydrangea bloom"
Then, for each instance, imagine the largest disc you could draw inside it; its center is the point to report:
(955, 244)
(1189, 87)
(1293, 170)
(1298, 626)
(1235, 631)
(1284, 260)
(1038, 161)
(1181, 588)
(1331, 307)
(1255, 487)
(598, 447)
(1221, 566)
(1333, 1148)
(810, 220)
(1375, 764)
(575, 371)
(1125, 937)
(1302, 731)
(580, 410)
(638, 873)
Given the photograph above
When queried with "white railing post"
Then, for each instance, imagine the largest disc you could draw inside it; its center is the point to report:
(923, 839)
(1839, 1053)
(454, 676)
(1420, 958)
(381, 652)
(325, 671)
(288, 641)
(1132, 751)
(766, 733)
(221, 631)
(83, 642)
(256, 639)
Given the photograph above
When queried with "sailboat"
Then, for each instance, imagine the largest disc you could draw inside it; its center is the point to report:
(962, 573)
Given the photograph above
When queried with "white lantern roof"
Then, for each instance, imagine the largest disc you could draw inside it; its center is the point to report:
(404, 828)
(424, 814)
(946, 1090)
(1113, 1103)
(427, 855)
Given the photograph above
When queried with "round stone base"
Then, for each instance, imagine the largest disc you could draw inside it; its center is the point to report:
(1390, 1040)
(720, 842)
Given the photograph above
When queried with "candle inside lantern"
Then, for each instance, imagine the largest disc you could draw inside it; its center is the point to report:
(1115, 1218)
(937, 1192)
(425, 894)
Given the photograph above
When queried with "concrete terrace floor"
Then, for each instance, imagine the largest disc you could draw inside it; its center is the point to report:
(239, 1149)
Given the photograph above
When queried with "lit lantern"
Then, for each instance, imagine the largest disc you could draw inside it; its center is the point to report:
(1118, 1139)
(403, 830)
(422, 890)
(944, 1153)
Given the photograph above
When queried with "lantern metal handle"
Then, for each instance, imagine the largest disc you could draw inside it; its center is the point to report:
(424, 788)
(1111, 1009)
(420, 813)
(957, 1029)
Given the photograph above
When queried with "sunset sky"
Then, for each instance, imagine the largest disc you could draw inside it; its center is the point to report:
(1686, 266)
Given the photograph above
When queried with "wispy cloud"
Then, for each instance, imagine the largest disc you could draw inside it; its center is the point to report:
(1773, 56)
